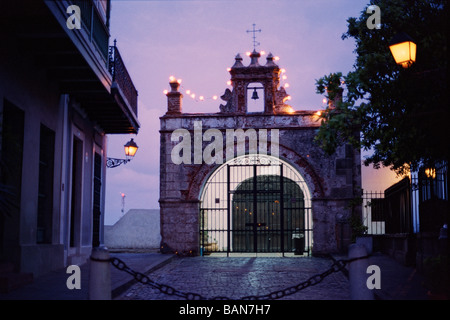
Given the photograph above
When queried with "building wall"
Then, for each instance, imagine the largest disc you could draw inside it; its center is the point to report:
(332, 180)
(24, 84)
(137, 229)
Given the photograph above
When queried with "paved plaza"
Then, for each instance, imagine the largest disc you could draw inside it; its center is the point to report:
(237, 277)
(234, 277)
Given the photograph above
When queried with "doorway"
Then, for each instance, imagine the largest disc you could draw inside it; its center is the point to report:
(255, 204)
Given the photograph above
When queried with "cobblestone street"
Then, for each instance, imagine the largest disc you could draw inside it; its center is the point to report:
(237, 277)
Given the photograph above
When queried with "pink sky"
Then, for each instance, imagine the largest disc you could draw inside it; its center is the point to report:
(197, 41)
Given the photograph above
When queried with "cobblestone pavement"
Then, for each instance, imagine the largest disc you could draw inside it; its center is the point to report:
(242, 276)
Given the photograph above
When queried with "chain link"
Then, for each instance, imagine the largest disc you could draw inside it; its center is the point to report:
(337, 266)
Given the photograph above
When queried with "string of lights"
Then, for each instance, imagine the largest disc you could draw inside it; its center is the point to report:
(201, 97)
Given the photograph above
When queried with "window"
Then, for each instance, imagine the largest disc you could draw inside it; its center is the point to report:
(97, 200)
(76, 192)
(11, 159)
(45, 193)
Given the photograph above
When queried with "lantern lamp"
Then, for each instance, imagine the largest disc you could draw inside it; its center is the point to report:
(130, 149)
(403, 48)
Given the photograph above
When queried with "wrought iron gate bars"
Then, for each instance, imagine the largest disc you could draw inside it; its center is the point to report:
(338, 265)
(223, 230)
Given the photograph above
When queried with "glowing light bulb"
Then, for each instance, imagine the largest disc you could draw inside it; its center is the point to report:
(228, 69)
(165, 92)
(318, 113)
(262, 52)
(248, 53)
(229, 82)
(214, 97)
(188, 91)
(172, 78)
(201, 98)
(324, 100)
(287, 98)
(283, 70)
(277, 58)
(287, 85)
(284, 77)
(193, 96)
(179, 81)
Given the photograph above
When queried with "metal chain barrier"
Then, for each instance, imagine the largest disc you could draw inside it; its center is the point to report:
(337, 266)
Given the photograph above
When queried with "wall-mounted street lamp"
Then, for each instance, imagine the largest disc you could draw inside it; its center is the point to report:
(130, 150)
(403, 49)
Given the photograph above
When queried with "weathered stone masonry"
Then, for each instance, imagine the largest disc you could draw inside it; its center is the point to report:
(332, 180)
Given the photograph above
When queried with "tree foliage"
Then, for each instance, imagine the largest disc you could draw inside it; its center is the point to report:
(401, 114)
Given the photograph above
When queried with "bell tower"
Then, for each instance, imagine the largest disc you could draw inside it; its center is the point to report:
(244, 78)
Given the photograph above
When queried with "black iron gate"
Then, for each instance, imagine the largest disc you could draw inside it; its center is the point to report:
(254, 207)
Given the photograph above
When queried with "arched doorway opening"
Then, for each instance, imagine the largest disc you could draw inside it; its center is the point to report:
(256, 203)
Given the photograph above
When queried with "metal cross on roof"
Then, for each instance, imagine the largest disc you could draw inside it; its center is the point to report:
(254, 31)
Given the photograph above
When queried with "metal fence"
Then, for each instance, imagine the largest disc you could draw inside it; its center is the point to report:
(416, 203)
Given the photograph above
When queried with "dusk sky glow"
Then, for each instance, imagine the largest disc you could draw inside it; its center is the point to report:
(196, 41)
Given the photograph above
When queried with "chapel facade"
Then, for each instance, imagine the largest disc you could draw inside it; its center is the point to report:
(239, 181)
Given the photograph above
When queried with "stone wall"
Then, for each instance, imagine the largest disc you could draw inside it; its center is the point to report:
(137, 229)
(332, 180)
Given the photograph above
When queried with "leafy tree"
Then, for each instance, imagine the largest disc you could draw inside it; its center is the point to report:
(401, 114)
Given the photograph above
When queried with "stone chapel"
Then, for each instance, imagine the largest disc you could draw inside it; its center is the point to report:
(235, 181)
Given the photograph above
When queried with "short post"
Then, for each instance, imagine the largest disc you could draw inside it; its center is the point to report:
(357, 271)
(100, 274)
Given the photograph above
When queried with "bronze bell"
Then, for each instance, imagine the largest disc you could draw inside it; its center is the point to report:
(255, 95)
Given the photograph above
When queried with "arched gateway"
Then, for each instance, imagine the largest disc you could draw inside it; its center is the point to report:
(235, 181)
(255, 203)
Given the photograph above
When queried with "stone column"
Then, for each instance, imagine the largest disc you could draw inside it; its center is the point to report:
(174, 98)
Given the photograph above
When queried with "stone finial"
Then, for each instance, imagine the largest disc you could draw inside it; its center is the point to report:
(254, 59)
(227, 97)
(238, 63)
(281, 97)
(270, 62)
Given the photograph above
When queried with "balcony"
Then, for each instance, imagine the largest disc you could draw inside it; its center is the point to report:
(121, 79)
(78, 62)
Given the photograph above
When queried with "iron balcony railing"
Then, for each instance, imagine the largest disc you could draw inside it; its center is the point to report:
(121, 76)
